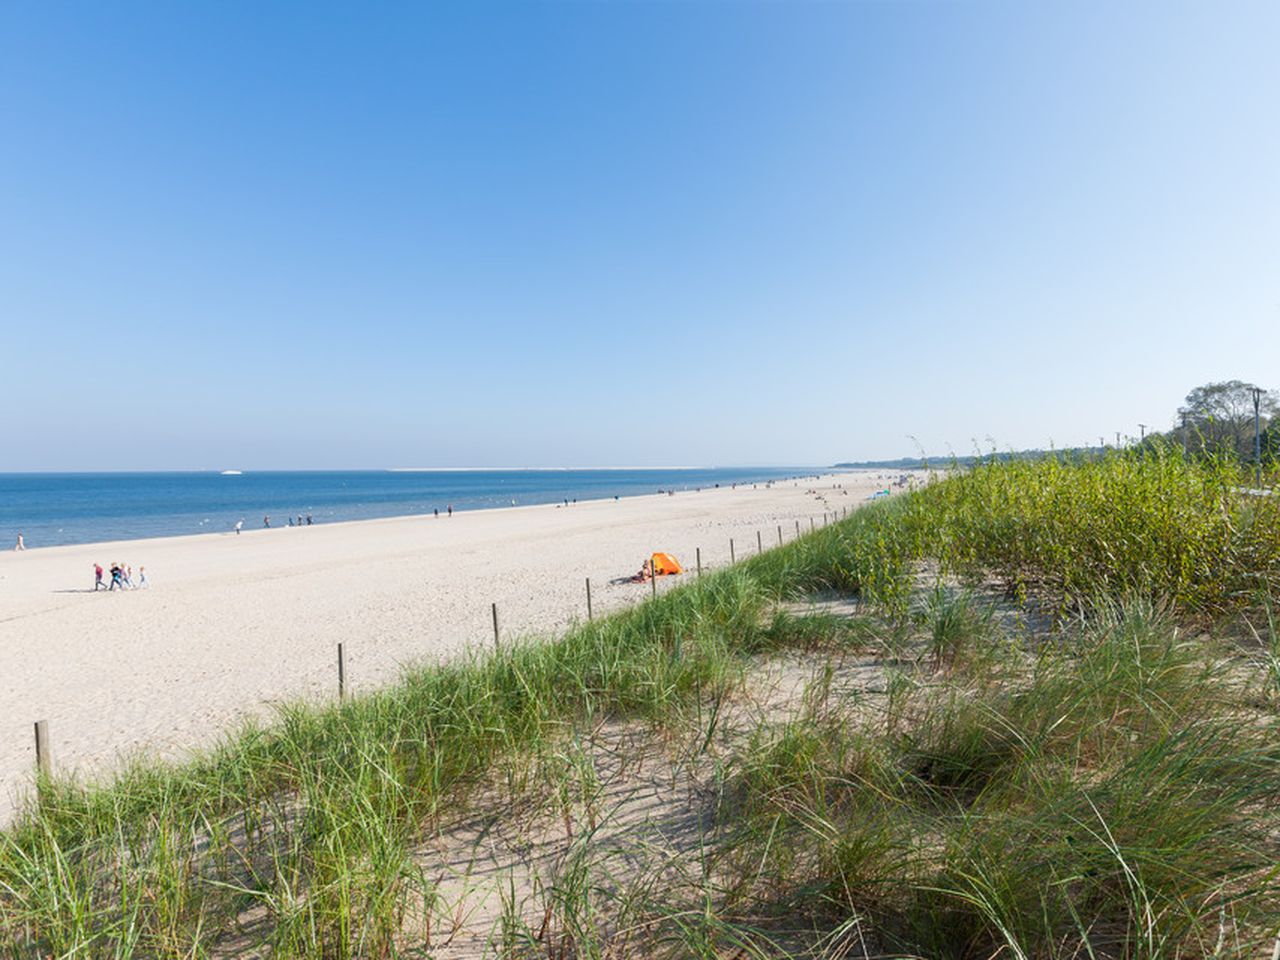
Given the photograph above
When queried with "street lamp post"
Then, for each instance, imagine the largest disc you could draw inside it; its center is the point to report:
(1257, 436)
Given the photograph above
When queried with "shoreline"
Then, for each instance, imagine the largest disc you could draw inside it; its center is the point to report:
(233, 626)
(25, 525)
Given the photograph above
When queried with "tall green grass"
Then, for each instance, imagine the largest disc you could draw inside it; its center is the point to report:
(1119, 800)
(1156, 523)
(306, 828)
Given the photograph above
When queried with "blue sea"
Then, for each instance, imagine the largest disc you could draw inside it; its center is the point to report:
(49, 509)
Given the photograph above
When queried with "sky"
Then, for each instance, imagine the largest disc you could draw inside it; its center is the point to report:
(291, 236)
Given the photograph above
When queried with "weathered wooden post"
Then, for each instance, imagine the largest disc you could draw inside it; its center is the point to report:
(699, 549)
(811, 524)
(797, 528)
(342, 674)
(731, 557)
(779, 534)
(759, 543)
(588, 598)
(497, 636)
(653, 577)
(44, 757)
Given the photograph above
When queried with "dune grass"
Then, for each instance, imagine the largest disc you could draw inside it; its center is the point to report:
(1112, 796)
(1157, 524)
(311, 820)
(1107, 791)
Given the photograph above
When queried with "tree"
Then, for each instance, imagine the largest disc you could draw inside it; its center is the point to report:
(1219, 417)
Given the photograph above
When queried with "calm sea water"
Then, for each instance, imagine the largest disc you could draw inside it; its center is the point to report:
(58, 508)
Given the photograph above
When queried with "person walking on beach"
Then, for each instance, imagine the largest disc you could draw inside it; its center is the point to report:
(20, 545)
(97, 578)
(127, 576)
(266, 521)
(142, 578)
(450, 513)
(308, 519)
(239, 524)
(116, 582)
(299, 519)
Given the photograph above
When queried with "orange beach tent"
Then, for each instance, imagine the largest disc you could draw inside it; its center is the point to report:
(663, 564)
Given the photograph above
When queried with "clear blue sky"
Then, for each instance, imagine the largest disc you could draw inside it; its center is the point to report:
(366, 235)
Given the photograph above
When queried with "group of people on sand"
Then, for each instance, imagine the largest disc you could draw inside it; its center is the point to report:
(121, 578)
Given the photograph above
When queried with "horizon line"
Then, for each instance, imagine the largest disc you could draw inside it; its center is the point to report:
(243, 471)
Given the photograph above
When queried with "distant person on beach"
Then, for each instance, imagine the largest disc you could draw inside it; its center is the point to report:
(116, 582)
(239, 524)
(299, 519)
(266, 521)
(291, 521)
(450, 508)
(127, 576)
(308, 519)
(20, 544)
(437, 511)
(142, 578)
(97, 578)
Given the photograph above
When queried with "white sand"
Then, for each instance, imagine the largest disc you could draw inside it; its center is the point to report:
(234, 624)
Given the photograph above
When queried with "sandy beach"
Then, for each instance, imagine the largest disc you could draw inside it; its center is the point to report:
(232, 625)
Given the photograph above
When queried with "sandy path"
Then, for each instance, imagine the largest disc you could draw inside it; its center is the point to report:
(234, 624)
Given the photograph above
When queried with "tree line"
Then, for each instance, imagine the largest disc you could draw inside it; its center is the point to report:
(1218, 418)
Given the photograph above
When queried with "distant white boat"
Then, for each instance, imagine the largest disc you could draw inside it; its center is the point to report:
(231, 473)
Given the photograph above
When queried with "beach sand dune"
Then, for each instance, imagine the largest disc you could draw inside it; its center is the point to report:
(232, 625)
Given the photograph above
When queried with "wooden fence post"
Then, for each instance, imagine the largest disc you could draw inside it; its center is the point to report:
(731, 556)
(779, 534)
(497, 637)
(699, 561)
(759, 543)
(44, 757)
(588, 598)
(342, 674)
